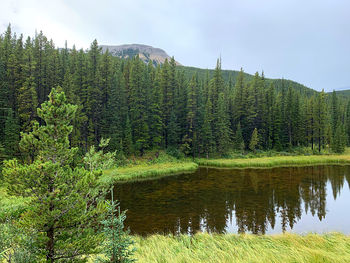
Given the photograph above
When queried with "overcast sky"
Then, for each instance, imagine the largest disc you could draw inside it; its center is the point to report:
(304, 40)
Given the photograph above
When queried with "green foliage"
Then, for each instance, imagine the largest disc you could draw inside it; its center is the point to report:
(217, 248)
(16, 245)
(238, 140)
(140, 107)
(63, 207)
(98, 160)
(339, 140)
(254, 140)
(11, 133)
(117, 245)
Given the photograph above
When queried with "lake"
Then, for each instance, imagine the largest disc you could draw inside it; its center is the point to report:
(259, 201)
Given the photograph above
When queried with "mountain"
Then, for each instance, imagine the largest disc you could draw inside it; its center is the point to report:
(345, 93)
(158, 56)
(146, 53)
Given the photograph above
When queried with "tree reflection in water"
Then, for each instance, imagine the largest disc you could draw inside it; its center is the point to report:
(254, 200)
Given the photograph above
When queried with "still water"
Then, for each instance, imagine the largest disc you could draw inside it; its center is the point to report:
(259, 201)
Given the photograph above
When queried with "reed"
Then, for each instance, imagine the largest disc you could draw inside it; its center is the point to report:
(146, 171)
(277, 161)
(221, 248)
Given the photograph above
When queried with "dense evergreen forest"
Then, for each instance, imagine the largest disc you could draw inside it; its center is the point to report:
(141, 107)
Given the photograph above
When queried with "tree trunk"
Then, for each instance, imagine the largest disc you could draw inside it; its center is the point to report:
(50, 245)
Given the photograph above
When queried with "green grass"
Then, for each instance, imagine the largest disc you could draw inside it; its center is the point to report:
(146, 171)
(243, 248)
(277, 161)
(10, 206)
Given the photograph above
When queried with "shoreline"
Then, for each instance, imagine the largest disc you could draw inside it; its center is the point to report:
(275, 162)
(141, 172)
(144, 172)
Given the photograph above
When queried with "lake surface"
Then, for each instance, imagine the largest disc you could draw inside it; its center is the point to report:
(259, 201)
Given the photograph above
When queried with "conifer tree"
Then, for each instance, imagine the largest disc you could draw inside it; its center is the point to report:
(11, 134)
(63, 208)
(128, 140)
(155, 116)
(223, 135)
(191, 112)
(207, 135)
(320, 119)
(254, 140)
(138, 117)
(347, 122)
(173, 131)
(239, 142)
(117, 244)
(339, 139)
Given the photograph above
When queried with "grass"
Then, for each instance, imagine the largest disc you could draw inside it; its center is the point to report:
(10, 206)
(204, 247)
(146, 171)
(277, 161)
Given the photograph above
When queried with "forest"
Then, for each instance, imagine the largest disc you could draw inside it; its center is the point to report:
(67, 116)
(141, 107)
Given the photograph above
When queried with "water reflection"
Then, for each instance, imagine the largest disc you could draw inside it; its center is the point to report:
(258, 201)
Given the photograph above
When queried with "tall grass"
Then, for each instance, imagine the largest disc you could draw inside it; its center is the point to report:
(276, 161)
(10, 206)
(243, 248)
(146, 171)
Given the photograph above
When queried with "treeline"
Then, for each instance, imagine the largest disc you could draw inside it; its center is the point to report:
(142, 107)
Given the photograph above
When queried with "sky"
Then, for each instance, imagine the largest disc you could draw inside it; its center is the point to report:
(307, 41)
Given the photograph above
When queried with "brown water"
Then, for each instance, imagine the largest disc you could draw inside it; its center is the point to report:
(259, 201)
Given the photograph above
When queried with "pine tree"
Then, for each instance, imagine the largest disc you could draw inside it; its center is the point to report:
(207, 135)
(11, 135)
(239, 142)
(155, 116)
(173, 131)
(62, 208)
(223, 135)
(335, 115)
(128, 140)
(138, 113)
(339, 140)
(191, 113)
(254, 140)
(320, 119)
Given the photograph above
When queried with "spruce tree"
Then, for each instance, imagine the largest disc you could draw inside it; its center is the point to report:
(223, 135)
(254, 140)
(320, 119)
(206, 132)
(11, 134)
(238, 141)
(339, 139)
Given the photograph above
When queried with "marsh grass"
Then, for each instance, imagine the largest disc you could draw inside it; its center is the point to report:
(146, 171)
(10, 206)
(204, 247)
(277, 161)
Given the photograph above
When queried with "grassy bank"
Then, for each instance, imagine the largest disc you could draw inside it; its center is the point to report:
(244, 248)
(145, 171)
(276, 161)
(10, 206)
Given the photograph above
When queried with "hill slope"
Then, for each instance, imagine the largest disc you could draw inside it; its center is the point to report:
(157, 56)
(233, 74)
(146, 53)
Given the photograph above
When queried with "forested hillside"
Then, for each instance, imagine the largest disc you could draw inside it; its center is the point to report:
(232, 75)
(142, 107)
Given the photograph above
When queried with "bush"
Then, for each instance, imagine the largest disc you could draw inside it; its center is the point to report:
(176, 153)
